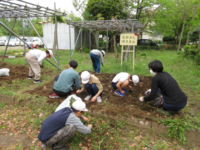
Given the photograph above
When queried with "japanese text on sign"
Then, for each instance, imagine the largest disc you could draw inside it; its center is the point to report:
(128, 39)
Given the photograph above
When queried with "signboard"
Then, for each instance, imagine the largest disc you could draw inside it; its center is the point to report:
(128, 39)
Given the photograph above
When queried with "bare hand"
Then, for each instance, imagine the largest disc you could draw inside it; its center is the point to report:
(130, 87)
(86, 119)
(89, 125)
(78, 91)
(93, 99)
(41, 66)
(122, 91)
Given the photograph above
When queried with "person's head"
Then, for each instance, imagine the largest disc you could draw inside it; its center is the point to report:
(103, 52)
(85, 76)
(49, 53)
(79, 108)
(73, 64)
(156, 66)
(134, 79)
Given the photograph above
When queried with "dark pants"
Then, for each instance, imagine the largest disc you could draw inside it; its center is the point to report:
(175, 107)
(91, 89)
(95, 62)
(60, 93)
(60, 139)
(114, 85)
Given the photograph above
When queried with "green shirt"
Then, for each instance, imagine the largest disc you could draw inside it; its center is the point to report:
(66, 79)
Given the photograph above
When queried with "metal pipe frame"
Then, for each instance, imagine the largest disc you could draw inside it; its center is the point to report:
(70, 42)
(23, 36)
(76, 41)
(81, 42)
(56, 35)
(90, 39)
(107, 45)
(9, 39)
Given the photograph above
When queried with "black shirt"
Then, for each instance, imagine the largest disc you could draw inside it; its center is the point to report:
(168, 86)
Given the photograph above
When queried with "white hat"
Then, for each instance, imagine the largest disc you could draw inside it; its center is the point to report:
(50, 52)
(135, 79)
(79, 105)
(103, 52)
(85, 76)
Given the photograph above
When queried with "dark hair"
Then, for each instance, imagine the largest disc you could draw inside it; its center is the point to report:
(74, 110)
(73, 64)
(156, 66)
(47, 52)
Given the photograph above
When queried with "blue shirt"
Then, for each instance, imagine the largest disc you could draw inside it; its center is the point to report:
(66, 79)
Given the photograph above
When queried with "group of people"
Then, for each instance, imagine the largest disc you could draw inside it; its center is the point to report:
(59, 127)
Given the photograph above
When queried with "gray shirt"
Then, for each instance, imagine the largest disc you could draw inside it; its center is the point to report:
(99, 54)
(74, 120)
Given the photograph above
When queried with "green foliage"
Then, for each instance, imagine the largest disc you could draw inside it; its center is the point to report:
(143, 54)
(176, 128)
(2, 105)
(96, 9)
(85, 49)
(191, 52)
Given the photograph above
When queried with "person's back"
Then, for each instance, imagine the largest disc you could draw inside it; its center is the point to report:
(66, 79)
(170, 88)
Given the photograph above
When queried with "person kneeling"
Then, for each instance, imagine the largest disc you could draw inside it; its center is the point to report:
(163, 83)
(92, 85)
(59, 127)
(121, 80)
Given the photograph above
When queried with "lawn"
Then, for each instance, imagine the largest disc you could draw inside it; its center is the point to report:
(20, 122)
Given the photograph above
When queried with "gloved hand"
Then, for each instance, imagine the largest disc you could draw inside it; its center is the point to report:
(148, 92)
(141, 99)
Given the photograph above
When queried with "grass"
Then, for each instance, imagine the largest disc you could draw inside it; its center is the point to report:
(107, 133)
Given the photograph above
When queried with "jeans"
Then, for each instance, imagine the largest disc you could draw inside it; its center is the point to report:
(91, 89)
(175, 107)
(95, 62)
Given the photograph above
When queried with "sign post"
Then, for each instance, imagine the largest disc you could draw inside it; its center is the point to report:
(131, 40)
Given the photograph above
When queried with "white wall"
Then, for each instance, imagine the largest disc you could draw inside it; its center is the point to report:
(63, 35)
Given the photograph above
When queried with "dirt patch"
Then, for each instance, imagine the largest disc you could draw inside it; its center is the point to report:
(126, 106)
(17, 72)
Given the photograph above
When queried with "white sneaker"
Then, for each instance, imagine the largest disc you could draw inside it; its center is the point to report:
(99, 99)
(88, 98)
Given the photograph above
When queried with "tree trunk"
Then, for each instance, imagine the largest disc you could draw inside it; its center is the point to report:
(54, 41)
(194, 12)
(93, 41)
(110, 44)
(181, 35)
(114, 43)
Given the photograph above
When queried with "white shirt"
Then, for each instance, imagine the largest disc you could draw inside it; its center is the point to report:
(122, 76)
(39, 54)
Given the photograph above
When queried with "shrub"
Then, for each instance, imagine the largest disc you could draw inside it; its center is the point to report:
(191, 52)
(85, 49)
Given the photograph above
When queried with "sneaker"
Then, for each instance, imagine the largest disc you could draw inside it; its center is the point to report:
(99, 99)
(54, 95)
(29, 77)
(37, 81)
(125, 91)
(94, 71)
(118, 93)
(98, 72)
(88, 98)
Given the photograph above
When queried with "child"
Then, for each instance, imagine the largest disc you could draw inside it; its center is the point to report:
(62, 87)
(92, 85)
(121, 80)
(97, 57)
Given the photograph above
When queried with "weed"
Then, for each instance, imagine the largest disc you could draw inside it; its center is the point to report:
(176, 128)
(2, 105)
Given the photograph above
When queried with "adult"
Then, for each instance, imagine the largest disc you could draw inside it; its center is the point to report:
(122, 80)
(92, 85)
(34, 58)
(163, 83)
(60, 126)
(97, 59)
(68, 77)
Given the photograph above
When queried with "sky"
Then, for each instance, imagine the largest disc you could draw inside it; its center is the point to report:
(62, 4)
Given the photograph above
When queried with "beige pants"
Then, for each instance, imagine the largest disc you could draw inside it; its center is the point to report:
(34, 67)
